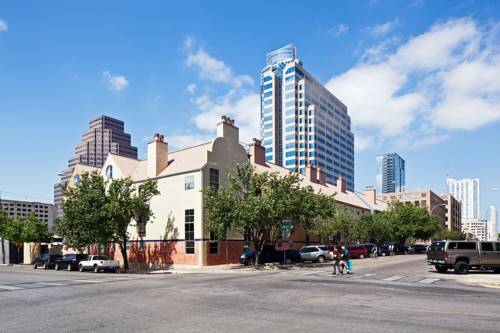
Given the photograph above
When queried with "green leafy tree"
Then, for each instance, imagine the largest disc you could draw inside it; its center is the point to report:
(258, 203)
(13, 231)
(451, 234)
(35, 230)
(360, 230)
(127, 202)
(339, 227)
(85, 218)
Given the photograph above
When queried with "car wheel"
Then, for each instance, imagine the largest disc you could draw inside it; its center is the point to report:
(361, 256)
(45, 266)
(251, 262)
(68, 267)
(288, 261)
(321, 259)
(80, 268)
(56, 267)
(461, 267)
(96, 269)
(35, 266)
(441, 269)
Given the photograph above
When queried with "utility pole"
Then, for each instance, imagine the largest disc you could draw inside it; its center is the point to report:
(2, 241)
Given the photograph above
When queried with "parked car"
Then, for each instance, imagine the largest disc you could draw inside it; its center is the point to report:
(461, 256)
(403, 249)
(357, 251)
(419, 248)
(69, 261)
(383, 250)
(315, 253)
(270, 254)
(98, 263)
(46, 261)
(369, 247)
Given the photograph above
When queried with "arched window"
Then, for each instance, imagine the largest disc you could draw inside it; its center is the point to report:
(77, 180)
(109, 172)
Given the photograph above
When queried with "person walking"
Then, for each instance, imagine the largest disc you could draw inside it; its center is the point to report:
(336, 262)
(346, 261)
(374, 251)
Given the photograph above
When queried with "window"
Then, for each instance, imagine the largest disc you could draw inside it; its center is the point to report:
(466, 245)
(486, 246)
(214, 244)
(109, 172)
(498, 246)
(189, 230)
(189, 183)
(214, 178)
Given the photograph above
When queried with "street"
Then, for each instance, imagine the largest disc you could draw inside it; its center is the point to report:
(396, 294)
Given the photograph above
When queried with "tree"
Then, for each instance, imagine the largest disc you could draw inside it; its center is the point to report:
(13, 231)
(451, 234)
(126, 202)
(338, 227)
(258, 203)
(85, 220)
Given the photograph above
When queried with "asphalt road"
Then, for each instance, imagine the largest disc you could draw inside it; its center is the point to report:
(398, 294)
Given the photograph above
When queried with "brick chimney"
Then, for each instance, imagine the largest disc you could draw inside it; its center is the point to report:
(341, 184)
(157, 156)
(257, 152)
(371, 194)
(226, 129)
(321, 176)
(311, 173)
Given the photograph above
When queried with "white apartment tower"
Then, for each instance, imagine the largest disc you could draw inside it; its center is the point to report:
(492, 222)
(302, 122)
(467, 191)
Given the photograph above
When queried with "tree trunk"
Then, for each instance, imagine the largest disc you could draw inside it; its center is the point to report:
(123, 250)
(3, 251)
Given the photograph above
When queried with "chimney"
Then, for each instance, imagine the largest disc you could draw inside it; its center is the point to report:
(341, 184)
(311, 173)
(227, 130)
(157, 156)
(371, 194)
(257, 152)
(321, 176)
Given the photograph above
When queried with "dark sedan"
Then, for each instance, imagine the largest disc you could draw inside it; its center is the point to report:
(46, 261)
(70, 261)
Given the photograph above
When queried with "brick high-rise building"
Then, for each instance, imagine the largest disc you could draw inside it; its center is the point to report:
(105, 135)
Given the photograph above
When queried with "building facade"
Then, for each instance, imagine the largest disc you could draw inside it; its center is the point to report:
(20, 209)
(302, 122)
(105, 135)
(492, 221)
(390, 173)
(445, 208)
(468, 192)
(177, 234)
(474, 229)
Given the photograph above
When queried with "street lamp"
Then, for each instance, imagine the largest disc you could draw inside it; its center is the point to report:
(441, 204)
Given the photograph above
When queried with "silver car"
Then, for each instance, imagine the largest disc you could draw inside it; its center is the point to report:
(315, 253)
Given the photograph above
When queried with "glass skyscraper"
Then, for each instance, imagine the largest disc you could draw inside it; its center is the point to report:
(390, 173)
(302, 122)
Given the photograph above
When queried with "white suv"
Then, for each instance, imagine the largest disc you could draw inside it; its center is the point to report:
(315, 253)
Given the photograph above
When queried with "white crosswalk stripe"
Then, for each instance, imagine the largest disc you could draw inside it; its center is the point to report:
(54, 284)
(89, 281)
(393, 278)
(9, 288)
(428, 281)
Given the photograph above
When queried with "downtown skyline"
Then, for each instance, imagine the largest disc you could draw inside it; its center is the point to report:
(164, 75)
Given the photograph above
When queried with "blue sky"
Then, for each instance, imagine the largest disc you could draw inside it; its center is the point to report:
(420, 78)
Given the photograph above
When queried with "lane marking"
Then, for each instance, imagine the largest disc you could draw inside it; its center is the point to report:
(89, 281)
(428, 281)
(51, 284)
(10, 288)
(312, 273)
(393, 278)
(369, 274)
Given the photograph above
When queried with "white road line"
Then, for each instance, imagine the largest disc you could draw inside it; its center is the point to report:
(51, 284)
(393, 278)
(312, 273)
(428, 281)
(89, 281)
(369, 274)
(10, 288)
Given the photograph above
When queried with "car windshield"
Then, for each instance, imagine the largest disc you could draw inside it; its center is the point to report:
(437, 246)
(100, 258)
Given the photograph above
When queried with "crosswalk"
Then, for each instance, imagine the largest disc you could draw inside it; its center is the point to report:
(420, 280)
(59, 283)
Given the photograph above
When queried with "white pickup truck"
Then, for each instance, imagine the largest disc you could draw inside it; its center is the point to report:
(98, 263)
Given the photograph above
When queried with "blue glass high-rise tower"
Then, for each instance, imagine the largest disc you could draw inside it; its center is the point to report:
(390, 173)
(302, 122)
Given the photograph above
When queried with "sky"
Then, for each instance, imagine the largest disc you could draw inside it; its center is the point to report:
(420, 78)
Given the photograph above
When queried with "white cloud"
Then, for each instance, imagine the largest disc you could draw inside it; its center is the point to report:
(234, 96)
(383, 28)
(338, 30)
(191, 88)
(115, 82)
(442, 80)
(3, 25)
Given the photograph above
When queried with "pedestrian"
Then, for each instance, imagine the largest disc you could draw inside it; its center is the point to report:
(346, 261)
(374, 251)
(336, 262)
